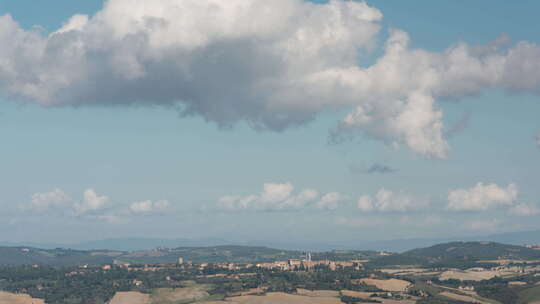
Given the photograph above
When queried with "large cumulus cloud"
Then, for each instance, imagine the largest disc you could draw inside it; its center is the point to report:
(274, 64)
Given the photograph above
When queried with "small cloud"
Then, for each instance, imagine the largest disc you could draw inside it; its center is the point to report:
(538, 139)
(59, 200)
(482, 197)
(330, 201)
(276, 196)
(524, 210)
(148, 207)
(273, 197)
(389, 201)
(91, 202)
(45, 201)
(365, 203)
(373, 169)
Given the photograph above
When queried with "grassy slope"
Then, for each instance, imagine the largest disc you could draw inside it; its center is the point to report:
(530, 295)
(457, 254)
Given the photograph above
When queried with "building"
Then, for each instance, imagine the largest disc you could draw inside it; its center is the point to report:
(295, 263)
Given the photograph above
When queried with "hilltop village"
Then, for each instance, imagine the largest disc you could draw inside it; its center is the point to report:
(288, 265)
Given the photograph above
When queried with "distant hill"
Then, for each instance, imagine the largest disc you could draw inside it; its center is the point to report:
(451, 254)
(395, 245)
(215, 254)
(126, 244)
(13, 256)
(456, 254)
(477, 250)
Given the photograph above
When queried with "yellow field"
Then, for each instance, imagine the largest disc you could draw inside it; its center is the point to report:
(175, 295)
(468, 275)
(458, 297)
(131, 297)
(252, 291)
(282, 298)
(318, 293)
(411, 272)
(356, 294)
(387, 285)
(10, 298)
(391, 301)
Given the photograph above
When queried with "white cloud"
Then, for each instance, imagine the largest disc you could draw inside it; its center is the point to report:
(91, 202)
(482, 197)
(93, 206)
(273, 197)
(330, 201)
(145, 207)
(525, 210)
(48, 200)
(59, 200)
(75, 23)
(275, 64)
(388, 201)
(365, 203)
(538, 139)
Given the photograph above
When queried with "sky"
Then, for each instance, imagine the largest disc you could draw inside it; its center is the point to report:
(264, 120)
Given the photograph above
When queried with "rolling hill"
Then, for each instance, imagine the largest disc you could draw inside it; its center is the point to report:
(475, 250)
(215, 254)
(459, 254)
(12, 256)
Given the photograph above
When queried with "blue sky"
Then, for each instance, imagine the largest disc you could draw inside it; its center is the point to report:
(151, 152)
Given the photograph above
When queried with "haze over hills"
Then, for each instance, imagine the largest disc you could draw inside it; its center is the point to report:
(453, 253)
(395, 245)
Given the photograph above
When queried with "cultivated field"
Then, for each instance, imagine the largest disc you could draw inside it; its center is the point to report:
(252, 291)
(403, 270)
(318, 293)
(391, 301)
(467, 275)
(410, 272)
(282, 298)
(387, 285)
(178, 295)
(530, 295)
(356, 294)
(131, 297)
(459, 297)
(10, 298)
